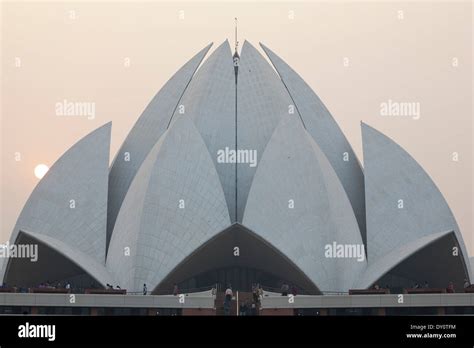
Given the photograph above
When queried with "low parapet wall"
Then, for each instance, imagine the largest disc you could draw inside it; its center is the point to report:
(367, 301)
(203, 300)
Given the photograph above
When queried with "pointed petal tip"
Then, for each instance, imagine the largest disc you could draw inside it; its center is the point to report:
(105, 127)
(207, 48)
(246, 43)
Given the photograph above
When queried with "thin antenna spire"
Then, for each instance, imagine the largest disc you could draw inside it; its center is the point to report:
(236, 41)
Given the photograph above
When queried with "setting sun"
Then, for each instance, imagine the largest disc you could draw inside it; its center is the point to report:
(41, 170)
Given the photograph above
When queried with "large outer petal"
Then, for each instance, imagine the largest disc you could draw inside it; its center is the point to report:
(145, 133)
(294, 168)
(159, 234)
(326, 133)
(80, 174)
(391, 174)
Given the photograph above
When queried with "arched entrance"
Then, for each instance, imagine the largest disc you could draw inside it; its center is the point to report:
(239, 256)
(51, 267)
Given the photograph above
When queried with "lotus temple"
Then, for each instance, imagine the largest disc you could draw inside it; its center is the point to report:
(236, 173)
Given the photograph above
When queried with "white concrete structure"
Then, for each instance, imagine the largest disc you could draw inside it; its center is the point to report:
(319, 123)
(294, 170)
(262, 102)
(159, 234)
(209, 101)
(174, 213)
(68, 207)
(404, 207)
(145, 133)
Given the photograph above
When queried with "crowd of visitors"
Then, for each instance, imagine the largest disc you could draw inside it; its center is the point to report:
(48, 285)
(246, 307)
(425, 285)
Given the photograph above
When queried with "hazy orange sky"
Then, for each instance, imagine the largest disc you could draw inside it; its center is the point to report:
(76, 51)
